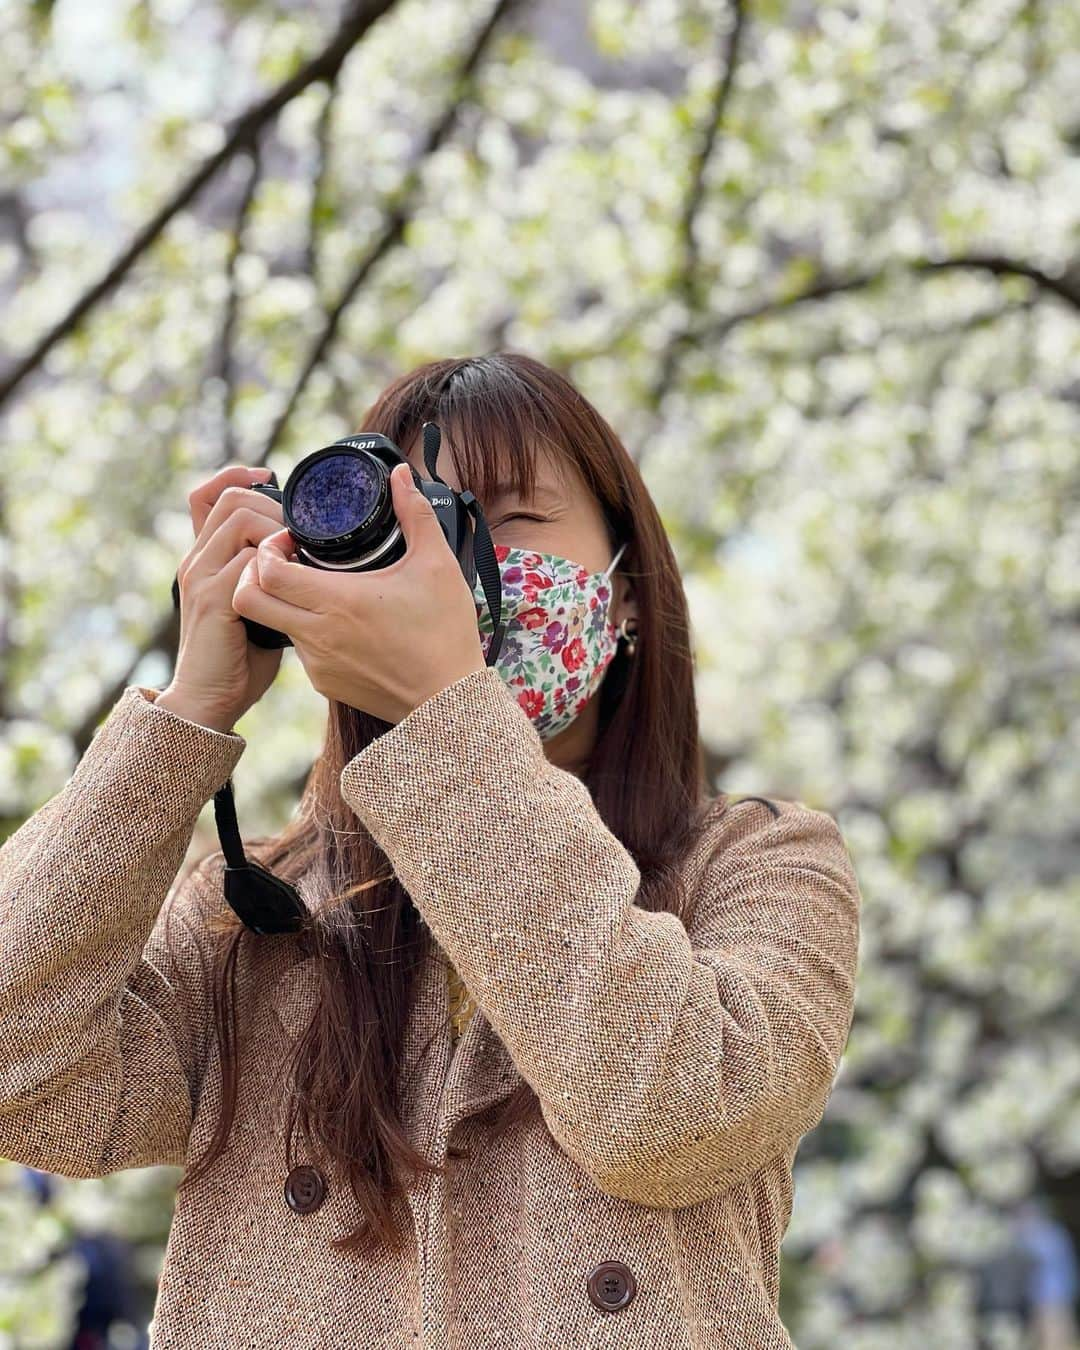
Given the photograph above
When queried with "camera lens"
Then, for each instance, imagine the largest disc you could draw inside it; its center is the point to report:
(339, 508)
(336, 495)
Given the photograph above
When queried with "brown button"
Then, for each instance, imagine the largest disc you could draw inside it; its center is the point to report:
(611, 1285)
(305, 1189)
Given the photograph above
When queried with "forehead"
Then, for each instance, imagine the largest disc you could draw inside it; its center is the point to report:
(501, 477)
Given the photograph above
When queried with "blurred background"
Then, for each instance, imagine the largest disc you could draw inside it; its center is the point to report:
(819, 265)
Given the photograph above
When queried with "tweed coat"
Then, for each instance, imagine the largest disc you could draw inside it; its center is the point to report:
(678, 1066)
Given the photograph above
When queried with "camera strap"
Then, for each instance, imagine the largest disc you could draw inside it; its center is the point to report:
(265, 903)
(487, 565)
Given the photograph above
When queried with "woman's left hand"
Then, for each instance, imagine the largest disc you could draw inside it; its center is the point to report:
(381, 641)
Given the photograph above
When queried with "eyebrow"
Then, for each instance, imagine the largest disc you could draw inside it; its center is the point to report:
(541, 493)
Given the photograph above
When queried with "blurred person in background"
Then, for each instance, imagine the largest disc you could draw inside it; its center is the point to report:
(109, 1295)
(1053, 1283)
(1032, 1279)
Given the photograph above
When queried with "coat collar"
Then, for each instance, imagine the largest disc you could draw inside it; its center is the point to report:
(442, 1088)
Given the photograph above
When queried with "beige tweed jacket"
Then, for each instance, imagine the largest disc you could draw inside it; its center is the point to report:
(678, 1067)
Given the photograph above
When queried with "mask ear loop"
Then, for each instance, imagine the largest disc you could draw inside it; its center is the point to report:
(611, 565)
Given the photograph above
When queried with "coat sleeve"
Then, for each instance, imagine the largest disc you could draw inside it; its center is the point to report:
(670, 1063)
(102, 992)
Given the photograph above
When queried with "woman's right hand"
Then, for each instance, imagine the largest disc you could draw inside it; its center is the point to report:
(219, 672)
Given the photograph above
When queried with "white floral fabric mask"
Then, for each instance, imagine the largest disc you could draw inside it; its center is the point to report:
(558, 640)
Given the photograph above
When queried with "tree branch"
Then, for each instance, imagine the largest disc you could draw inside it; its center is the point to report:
(1066, 287)
(689, 283)
(322, 147)
(358, 18)
(226, 365)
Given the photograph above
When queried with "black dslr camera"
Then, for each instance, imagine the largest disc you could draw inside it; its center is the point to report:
(337, 506)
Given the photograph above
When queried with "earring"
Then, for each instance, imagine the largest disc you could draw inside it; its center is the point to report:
(630, 637)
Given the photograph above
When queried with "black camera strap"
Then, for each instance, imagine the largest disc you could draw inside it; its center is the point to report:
(487, 565)
(264, 902)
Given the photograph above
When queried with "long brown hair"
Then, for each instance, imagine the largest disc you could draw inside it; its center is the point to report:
(645, 776)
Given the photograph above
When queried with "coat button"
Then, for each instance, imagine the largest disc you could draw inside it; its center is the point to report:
(611, 1285)
(305, 1189)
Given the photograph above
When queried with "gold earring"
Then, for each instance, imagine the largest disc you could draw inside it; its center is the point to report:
(630, 637)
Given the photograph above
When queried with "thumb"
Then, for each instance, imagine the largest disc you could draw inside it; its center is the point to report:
(419, 523)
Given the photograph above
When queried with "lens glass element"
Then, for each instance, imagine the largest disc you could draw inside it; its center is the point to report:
(336, 494)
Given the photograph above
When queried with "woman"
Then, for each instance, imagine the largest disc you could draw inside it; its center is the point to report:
(661, 982)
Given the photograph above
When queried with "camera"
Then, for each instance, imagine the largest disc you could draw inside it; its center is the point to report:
(338, 507)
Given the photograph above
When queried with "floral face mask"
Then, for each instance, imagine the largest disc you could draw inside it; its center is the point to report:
(558, 639)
